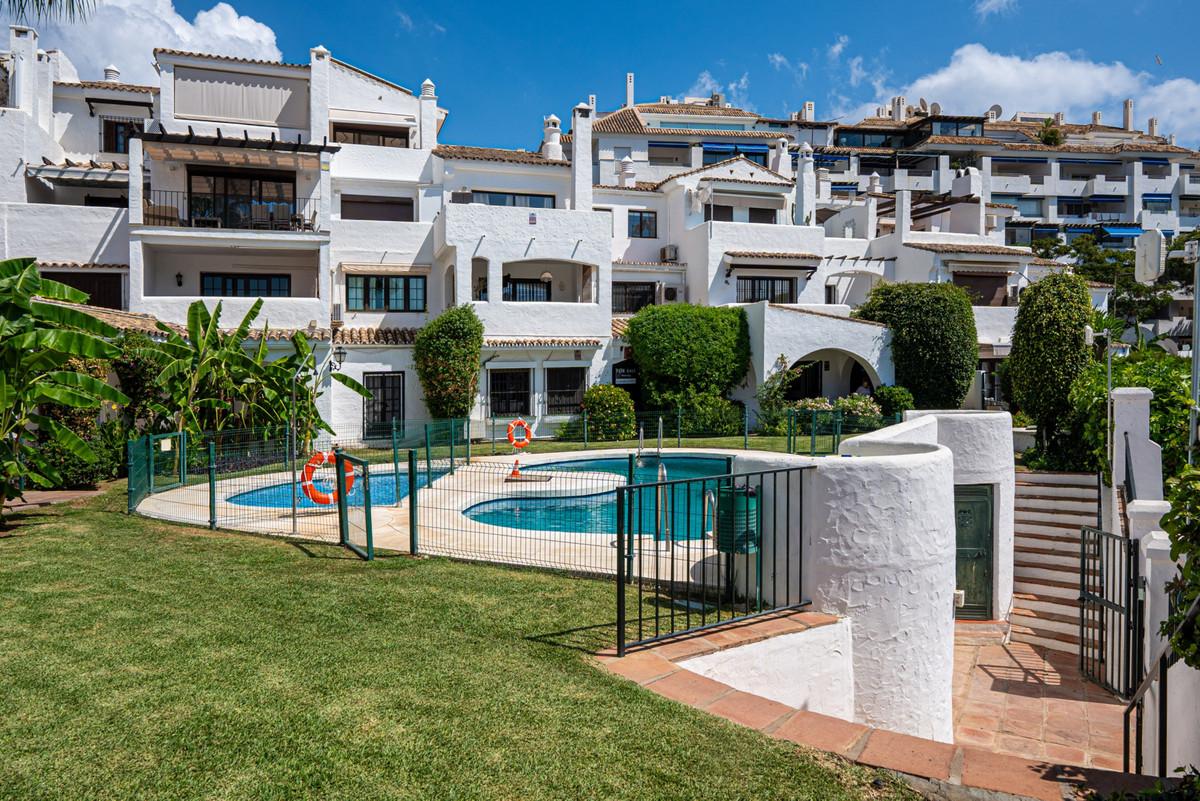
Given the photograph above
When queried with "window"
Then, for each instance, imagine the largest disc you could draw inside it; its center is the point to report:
(526, 290)
(758, 215)
(564, 389)
(385, 406)
(629, 296)
(831, 295)
(718, 212)
(1018, 236)
(366, 207)
(399, 293)
(1156, 204)
(949, 128)
(366, 135)
(508, 392)
(984, 290)
(238, 96)
(237, 285)
(1073, 207)
(513, 199)
(716, 152)
(241, 199)
(117, 131)
(670, 153)
(643, 224)
(106, 201)
(772, 290)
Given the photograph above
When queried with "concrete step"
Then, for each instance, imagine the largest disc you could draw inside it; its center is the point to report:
(1048, 570)
(1064, 557)
(1069, 491)
(1067, 590)
(1061, 537)
(1050, 604)
(1054, 641)
(1062, 519)
(1048, 621)
(1081, 506)
(1044, 477)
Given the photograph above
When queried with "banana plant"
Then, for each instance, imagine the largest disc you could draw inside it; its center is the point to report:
(39, 335)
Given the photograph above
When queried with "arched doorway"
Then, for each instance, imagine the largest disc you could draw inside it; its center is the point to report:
(830, 373)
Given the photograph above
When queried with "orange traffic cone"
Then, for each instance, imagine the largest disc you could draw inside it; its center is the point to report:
(516, 471)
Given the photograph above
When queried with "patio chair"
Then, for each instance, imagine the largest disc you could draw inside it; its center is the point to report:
(260, 216)
(309, 223)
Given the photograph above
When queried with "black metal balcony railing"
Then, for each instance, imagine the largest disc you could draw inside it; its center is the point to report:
(173, 209)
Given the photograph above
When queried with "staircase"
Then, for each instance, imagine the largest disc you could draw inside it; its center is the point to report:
(1050, 509)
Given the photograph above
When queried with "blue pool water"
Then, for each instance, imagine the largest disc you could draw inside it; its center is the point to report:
(596, 514)
(279, 496)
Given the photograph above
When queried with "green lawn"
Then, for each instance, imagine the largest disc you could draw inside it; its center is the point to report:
(144, 660)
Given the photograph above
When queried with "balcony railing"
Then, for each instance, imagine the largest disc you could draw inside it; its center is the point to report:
(171, 209)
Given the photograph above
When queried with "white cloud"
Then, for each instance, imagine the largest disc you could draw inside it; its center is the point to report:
(737, 92)
(975, 78)
(834, 51)
(782, 63)
(986, 8)
(406, 22)
(857, 73)
(125, 32)
(779, 61)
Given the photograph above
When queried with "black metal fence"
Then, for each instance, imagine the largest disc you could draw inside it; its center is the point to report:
(1111, 611)
(698, 552)
(178, 209)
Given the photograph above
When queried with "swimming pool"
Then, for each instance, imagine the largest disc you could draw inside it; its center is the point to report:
(596, 513)
(279, 496)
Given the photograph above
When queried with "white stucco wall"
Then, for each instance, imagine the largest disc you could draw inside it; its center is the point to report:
(64, 233)
(811, 670)
(982, 444)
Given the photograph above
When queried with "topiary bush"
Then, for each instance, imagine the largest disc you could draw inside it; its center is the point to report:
(893, 400)
(610, 413)
(447, 352)
(683, 351)
(1049, 351)
(934, 343)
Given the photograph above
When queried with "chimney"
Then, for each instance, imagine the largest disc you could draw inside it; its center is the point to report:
(990, 115)
(628, 89)
(898, 108)
(1152, 126)
(626, 175)
(552, 138)
(1059, 118)
(1095, 118)
(112, 74)
(592, 101)
(805, 202)
(903, 213)
(781, 160)
(874, 184)
(581, 155)
(824, 186)
(1128, 114)
(1171, 139)
(808, 113)
(428, 109)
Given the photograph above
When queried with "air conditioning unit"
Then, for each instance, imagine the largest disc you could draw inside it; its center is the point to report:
(669, 253)
(670, 294)
(1014, 292)
(460, 197)
(336, 314)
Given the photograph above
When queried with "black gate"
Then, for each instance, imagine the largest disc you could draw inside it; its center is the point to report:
(1111, 611)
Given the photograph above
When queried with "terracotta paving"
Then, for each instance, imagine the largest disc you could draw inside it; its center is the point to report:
(1026, 723)
(1032, 702)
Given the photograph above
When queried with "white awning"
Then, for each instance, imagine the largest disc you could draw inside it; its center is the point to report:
(360, 268)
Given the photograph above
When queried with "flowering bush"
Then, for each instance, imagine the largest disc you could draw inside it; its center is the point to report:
(858, 406)
(818, 404)
(610, 413)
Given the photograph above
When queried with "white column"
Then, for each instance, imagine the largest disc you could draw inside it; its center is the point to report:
(428, 102)
(1131, 414)
(318, 93)
(805, 202)
(136, 159)
(581, 157)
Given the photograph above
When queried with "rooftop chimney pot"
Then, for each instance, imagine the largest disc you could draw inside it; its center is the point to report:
(112, 74)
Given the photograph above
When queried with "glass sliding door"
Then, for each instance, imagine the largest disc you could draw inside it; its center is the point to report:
(240, 199)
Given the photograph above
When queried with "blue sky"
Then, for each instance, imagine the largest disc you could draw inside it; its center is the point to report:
(500, 67)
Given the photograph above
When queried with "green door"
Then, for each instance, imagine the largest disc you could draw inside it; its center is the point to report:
(973, 533)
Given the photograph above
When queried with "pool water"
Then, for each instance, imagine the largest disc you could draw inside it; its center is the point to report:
(596, 513)
(279, 496)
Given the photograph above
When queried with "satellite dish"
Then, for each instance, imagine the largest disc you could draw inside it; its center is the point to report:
(996, 110)
(935, 109)
(924, 106)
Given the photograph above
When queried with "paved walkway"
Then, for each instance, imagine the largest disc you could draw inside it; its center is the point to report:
(1031, 702)
(35, 498)
(986, 674)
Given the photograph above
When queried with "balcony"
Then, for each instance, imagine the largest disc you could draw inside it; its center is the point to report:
(175, 209)
(1071, 187)
(1104, 185)
(372, 163)
(1011, 184)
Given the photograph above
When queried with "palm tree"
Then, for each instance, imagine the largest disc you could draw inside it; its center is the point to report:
(48, 10)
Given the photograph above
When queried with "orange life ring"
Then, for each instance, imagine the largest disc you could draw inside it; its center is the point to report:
(306, 479)
(521, 441)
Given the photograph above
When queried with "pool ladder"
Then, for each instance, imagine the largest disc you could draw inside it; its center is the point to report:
(663, 504)
(642, 437)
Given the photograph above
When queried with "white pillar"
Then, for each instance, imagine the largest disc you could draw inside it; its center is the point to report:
(318, 93)
(805, 203)
(581, 157)
(1131, 414)
(135, 181)
(903, 213)
(428, 103)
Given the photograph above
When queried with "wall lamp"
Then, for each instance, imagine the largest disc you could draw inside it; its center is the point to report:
(178, 279)
(339, 356)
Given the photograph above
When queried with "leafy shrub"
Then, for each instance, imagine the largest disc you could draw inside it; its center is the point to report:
(683, 351)
(1004, 378)
(137, 368)
(773, 404)
(447, 352)
(1049, 352)
(1022, 420)
(1183, 524)
(934, 343)
(857, 406)
(893, 400)
(107, 443)
(610, 413)
(710, 414)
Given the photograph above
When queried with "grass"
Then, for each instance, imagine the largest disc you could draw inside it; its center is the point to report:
(146, 660)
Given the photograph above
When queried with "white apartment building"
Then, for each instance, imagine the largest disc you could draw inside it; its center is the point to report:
(324, 190)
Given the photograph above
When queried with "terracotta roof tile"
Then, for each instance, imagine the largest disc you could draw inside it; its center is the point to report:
(628, 121)
(466, 153)
(80, 265)
(690, 109)
(123, 320)
(730, 180)
(827, 314)
(957, 140)
(706, 167)
(110, 166)
(347, 335)
(638, 186)
(765, 254)
(113, 85)
(167, 51)
(620, 325)
(635, 263)
(281, 334)
(984, 250)
(540, 342)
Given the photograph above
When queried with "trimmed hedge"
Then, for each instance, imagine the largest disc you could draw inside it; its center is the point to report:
(446, 352)
(893, 400)
(684, 351)
(934, 343)
(610, 413)
(1049, 350)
